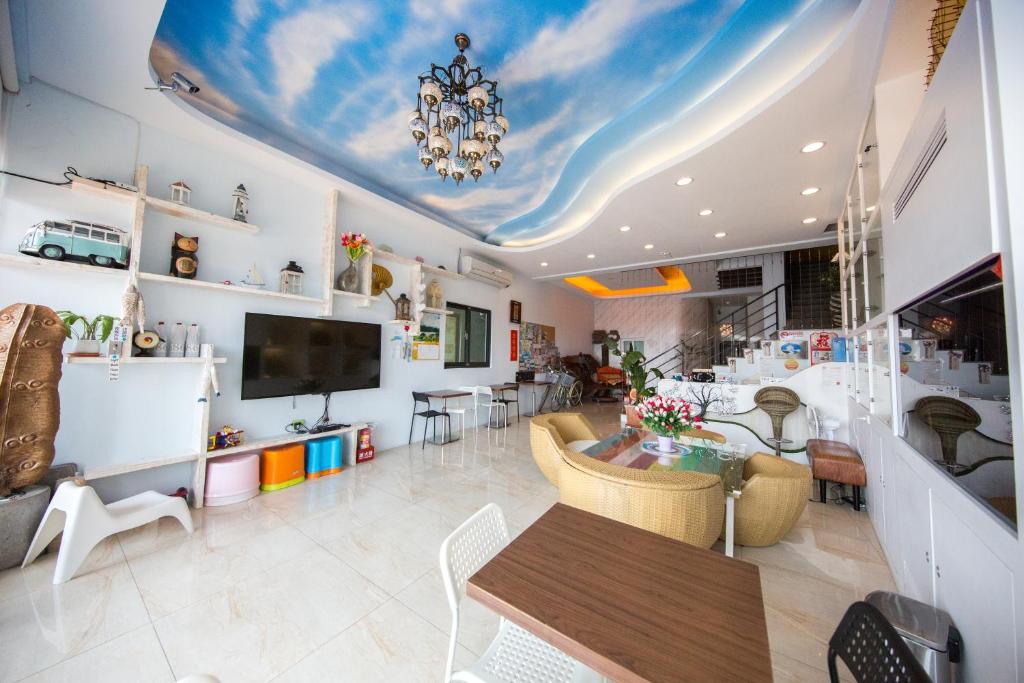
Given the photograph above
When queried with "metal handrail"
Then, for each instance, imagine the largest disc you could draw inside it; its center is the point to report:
(743, 318)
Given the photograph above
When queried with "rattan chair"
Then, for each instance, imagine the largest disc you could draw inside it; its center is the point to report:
(778, 402)
(686, 506)
(872, 649)
(949, 418)
(549, 435)
(704, 434)
(774, 495)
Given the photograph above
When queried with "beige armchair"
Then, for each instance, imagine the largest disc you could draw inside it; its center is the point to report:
(549, 435)
(686, 506)
(775, 492)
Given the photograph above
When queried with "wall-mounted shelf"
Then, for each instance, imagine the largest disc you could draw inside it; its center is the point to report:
(279, 440)
(437, 311)
(395, 258)
(236, 289)
(191, 213)
(93, 187)
(25, 261)
(140, 360)
(125, 468)
(362, 300)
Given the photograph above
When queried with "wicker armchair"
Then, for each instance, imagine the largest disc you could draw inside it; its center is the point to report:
(550, 433)
(686, 506)
(704, 434)
(774, 494)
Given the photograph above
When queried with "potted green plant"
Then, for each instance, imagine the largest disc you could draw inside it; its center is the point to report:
(94, 332)
(637, 376)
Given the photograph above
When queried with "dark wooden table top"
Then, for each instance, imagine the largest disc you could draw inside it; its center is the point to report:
(538, 382)
(505, 386)
(628, 603)
(447, 393)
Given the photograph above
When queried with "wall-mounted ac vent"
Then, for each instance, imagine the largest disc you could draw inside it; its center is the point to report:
(475, 269)
(924, 162)
(831, 227)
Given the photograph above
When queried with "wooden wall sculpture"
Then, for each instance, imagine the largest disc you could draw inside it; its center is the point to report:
(31, 339)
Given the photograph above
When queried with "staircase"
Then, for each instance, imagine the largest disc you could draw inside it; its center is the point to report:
(745, 327)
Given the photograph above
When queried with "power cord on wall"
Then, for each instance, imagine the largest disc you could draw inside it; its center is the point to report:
(69, 175)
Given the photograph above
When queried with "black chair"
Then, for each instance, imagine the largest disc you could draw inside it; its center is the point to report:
(428, 415)
(872, 649)
(513, 387)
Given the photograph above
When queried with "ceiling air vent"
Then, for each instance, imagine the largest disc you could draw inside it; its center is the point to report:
(924, 162)
(735, 278)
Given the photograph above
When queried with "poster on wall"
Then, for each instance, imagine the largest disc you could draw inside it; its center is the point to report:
(427, 344)
(515, 313)
(537, 347)
(514, 345)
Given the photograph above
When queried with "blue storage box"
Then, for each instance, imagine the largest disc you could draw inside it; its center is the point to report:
(323, 457)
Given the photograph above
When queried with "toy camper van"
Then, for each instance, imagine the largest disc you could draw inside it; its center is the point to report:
(100, 245)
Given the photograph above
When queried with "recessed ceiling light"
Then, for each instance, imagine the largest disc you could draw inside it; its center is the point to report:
(705, 212)
(810, 220)
(812, 146)
(648, 246)
(720, 235)
(870, 209)
(591, 256)
(543, 264)
(625, 228)
(685, 180)
(807, 191)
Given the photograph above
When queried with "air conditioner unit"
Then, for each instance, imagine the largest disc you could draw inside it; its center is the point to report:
(476, 269)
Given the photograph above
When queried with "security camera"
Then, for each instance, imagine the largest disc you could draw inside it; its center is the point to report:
(178, 82)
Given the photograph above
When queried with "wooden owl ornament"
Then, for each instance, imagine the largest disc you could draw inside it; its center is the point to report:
(184, 261)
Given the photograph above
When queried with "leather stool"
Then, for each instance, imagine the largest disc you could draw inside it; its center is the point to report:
(838, 462)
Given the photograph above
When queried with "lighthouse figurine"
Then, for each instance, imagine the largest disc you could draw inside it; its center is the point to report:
(241, 201)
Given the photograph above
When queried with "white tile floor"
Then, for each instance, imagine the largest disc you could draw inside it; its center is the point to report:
(336, 579)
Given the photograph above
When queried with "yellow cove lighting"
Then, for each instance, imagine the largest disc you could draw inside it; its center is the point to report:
(675, 281)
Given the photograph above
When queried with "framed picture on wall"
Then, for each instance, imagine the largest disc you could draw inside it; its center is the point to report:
(515, 313)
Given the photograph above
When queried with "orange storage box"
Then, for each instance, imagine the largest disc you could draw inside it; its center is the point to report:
(282, 467)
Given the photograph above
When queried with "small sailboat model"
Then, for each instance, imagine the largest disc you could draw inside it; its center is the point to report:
(253, 279)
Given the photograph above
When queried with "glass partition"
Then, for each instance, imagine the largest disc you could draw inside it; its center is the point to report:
(881, 384)
(954, 385)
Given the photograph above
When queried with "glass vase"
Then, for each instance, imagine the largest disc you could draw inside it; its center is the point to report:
(348, 280)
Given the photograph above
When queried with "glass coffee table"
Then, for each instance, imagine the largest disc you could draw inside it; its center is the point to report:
(637, 449)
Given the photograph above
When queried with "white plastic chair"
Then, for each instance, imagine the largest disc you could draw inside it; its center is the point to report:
(486, 394)
(515, 654)
(460, 409)
(85, 520)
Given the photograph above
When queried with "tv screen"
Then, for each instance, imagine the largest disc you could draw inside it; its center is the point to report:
(289, 356)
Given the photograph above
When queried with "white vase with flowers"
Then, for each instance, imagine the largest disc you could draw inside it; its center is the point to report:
(667, 417)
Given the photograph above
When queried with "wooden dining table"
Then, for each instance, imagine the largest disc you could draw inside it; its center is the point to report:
(630, 604)
(444, 395)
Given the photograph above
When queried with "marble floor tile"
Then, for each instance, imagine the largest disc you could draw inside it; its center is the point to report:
(38, 575)
(259, 627)
(132, 658)
(426, 596)
(47, 626)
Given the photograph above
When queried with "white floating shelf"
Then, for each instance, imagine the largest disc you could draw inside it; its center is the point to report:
(94, 187)
(438, 311)
(30, 262)
(395, 258)
(362, 300)
(236, 289)
(191, 213)
(139, 360)
(124, 468)
(279, 440)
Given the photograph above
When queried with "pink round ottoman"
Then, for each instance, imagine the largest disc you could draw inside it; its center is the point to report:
(232, 479)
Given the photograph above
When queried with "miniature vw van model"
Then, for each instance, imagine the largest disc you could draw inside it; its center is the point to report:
(100, 245)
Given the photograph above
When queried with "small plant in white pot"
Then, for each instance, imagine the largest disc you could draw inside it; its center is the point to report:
(94, 332)
(668, 418)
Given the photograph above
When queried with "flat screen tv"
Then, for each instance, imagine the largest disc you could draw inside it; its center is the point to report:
(289, 356)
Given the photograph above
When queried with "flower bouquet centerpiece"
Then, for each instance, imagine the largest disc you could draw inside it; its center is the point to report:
(355, 245)
(667, 417)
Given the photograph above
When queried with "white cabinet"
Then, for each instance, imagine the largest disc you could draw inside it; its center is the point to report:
(977, 589)
(915, 532)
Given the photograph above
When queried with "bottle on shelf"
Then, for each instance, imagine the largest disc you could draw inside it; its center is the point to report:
(160, 351)
(177, 346)
(192, 341)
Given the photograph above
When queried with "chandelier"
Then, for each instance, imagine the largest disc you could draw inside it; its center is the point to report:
(457, 108)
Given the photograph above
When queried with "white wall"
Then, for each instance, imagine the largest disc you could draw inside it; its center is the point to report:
(147, 412)
(660, 321)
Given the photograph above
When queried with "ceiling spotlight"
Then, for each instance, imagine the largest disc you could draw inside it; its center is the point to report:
(591, 256)
(705, 212)
(808, 221)
(870, 208)
(648, 246)
(808, 191)
(178, 82)
(625, 228)
(720, 235)
(543, 264)
(685, 180)
(812, 146)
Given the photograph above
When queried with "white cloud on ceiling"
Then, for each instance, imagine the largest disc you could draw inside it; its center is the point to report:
(562, 48)
(300, 44)
(246, 11)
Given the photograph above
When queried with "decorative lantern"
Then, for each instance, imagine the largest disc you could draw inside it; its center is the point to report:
(180, 192)
(241, 204)
(291, 279)
(403, 308)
